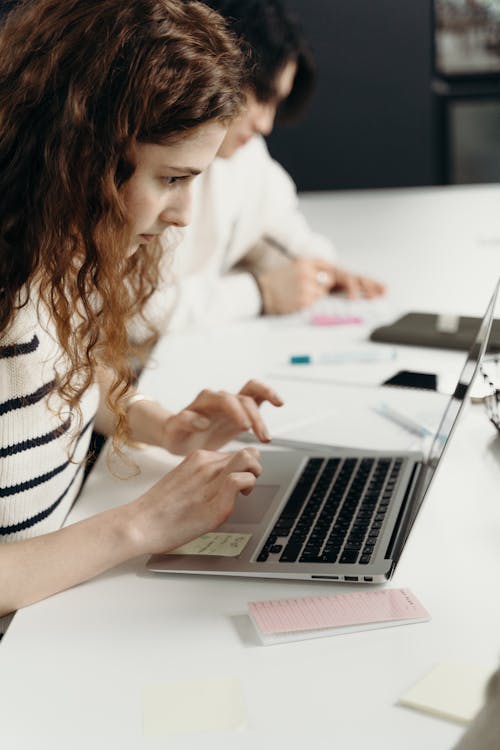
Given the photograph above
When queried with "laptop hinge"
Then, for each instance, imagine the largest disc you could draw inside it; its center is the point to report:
(399, 526)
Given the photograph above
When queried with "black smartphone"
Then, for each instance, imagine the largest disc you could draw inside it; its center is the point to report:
(412, 379)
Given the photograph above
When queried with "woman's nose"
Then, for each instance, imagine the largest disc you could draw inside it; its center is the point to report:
(264, 119)
(178, 212)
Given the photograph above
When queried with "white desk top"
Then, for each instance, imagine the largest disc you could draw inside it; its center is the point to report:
(73, 667)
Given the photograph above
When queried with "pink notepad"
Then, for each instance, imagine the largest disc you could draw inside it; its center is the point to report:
(335, 320)
(283, 620)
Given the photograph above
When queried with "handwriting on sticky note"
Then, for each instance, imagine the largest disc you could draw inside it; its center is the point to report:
(194, 706)
(352, 611)
(223, 544)
(451, 691)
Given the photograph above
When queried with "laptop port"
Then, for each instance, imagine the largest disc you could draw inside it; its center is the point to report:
(350, 578)
(369, 579)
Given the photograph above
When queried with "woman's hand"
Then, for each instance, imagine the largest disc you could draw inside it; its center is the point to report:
(192, 499)
(355, 285)
(215, 417)
(295, 286)
(302, 282)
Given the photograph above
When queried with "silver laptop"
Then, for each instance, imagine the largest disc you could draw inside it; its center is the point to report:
(332, 513)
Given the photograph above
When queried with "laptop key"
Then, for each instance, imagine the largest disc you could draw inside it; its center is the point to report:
(349, 557)
(330, 555)
(291, 553)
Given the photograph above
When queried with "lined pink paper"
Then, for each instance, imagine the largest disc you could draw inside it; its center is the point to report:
(341, 610)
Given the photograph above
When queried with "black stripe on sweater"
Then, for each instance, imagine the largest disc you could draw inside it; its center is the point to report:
(30, 484)
(31, 398)
(29, 522)
(14, 350)
(25, 445)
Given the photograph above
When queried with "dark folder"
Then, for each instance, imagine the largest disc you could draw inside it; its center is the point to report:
(422, 329)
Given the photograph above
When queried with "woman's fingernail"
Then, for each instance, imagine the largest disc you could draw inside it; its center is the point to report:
(201, 423)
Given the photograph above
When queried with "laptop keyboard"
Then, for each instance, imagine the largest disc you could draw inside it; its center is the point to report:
(335, 512)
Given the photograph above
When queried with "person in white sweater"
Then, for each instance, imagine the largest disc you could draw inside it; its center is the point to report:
(97, 155)
(249, 249)
(483, 732)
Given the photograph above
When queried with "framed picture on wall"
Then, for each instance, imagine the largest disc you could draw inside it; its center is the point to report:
(467, 37)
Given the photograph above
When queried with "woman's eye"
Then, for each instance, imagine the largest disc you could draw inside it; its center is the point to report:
(171, 181)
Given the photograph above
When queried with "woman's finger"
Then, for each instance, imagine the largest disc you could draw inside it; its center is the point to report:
(211, 403)
(243, 482)
(245, 460)
(238, 475)
(261, 392)
(370, 287)
(258, 424)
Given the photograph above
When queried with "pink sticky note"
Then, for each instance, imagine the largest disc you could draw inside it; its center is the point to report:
(335, 320)
(353, 611)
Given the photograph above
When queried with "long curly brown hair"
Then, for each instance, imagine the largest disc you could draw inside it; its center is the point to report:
(80, 84)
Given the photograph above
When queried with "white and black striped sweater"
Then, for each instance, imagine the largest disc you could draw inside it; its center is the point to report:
(41, 458)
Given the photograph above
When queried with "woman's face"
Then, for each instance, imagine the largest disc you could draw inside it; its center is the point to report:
(258, 117)
(158, 195)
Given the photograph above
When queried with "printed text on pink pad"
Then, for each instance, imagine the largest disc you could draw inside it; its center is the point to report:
(316, 612)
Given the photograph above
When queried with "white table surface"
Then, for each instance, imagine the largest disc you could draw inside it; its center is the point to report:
(72, 668)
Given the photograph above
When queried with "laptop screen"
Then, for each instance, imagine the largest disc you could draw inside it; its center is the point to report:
(453, 409)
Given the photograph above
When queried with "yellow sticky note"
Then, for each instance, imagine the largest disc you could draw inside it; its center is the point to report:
(215, 543)
(451, 691)
(194, 706)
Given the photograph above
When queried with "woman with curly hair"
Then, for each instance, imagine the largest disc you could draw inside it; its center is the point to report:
(108, 110)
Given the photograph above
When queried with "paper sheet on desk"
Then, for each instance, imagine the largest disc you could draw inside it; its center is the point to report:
(370, 311)
(346, 416)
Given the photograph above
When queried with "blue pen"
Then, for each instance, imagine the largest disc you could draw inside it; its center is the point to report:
(402, 420)
(331, 358)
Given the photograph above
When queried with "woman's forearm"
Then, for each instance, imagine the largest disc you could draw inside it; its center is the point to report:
(33, 569)
(195, 497)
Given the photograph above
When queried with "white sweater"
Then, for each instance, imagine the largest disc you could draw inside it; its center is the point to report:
(41, 454)
(240, 205)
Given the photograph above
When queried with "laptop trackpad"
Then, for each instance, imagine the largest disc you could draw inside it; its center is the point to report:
(253, 507)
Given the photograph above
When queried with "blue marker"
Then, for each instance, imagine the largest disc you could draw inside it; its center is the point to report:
(332, 358)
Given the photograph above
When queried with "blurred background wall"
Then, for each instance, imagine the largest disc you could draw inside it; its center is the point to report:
(408, 94)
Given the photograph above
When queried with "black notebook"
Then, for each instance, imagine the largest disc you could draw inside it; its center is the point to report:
(426, 329)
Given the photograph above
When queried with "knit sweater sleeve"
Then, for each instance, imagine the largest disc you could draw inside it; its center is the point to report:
(281, 218)
(42, 445)
(484, 731)
(211, 300)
